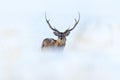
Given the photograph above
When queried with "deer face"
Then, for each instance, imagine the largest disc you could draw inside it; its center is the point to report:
(61, 35)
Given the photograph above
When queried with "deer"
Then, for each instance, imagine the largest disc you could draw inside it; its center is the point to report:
(60, 42)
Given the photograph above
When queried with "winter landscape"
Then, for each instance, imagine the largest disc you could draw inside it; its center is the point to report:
(92, 50)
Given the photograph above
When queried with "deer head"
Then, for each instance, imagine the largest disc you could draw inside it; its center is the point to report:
(62, 35)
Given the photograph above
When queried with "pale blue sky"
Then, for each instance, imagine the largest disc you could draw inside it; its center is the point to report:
(94, 7)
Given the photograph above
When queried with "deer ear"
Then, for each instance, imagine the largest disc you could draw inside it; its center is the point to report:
(67, 33)
(56, 33)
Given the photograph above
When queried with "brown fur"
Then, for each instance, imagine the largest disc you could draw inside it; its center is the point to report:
(49, 42)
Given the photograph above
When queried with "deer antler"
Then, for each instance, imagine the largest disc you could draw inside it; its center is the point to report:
(48, 22)
(76, 22)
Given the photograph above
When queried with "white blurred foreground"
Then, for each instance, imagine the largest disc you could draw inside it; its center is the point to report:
(89, 55)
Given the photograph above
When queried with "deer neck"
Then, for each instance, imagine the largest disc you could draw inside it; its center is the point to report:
(60, 42)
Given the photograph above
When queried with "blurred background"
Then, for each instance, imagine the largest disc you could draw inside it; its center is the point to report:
(92, 48)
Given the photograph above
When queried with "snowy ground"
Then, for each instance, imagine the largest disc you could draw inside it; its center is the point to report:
(92, 49)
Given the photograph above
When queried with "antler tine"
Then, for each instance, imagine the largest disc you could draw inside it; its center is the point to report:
(76, 22)
(54, 29)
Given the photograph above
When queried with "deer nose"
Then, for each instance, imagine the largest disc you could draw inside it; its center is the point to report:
(61, 38)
